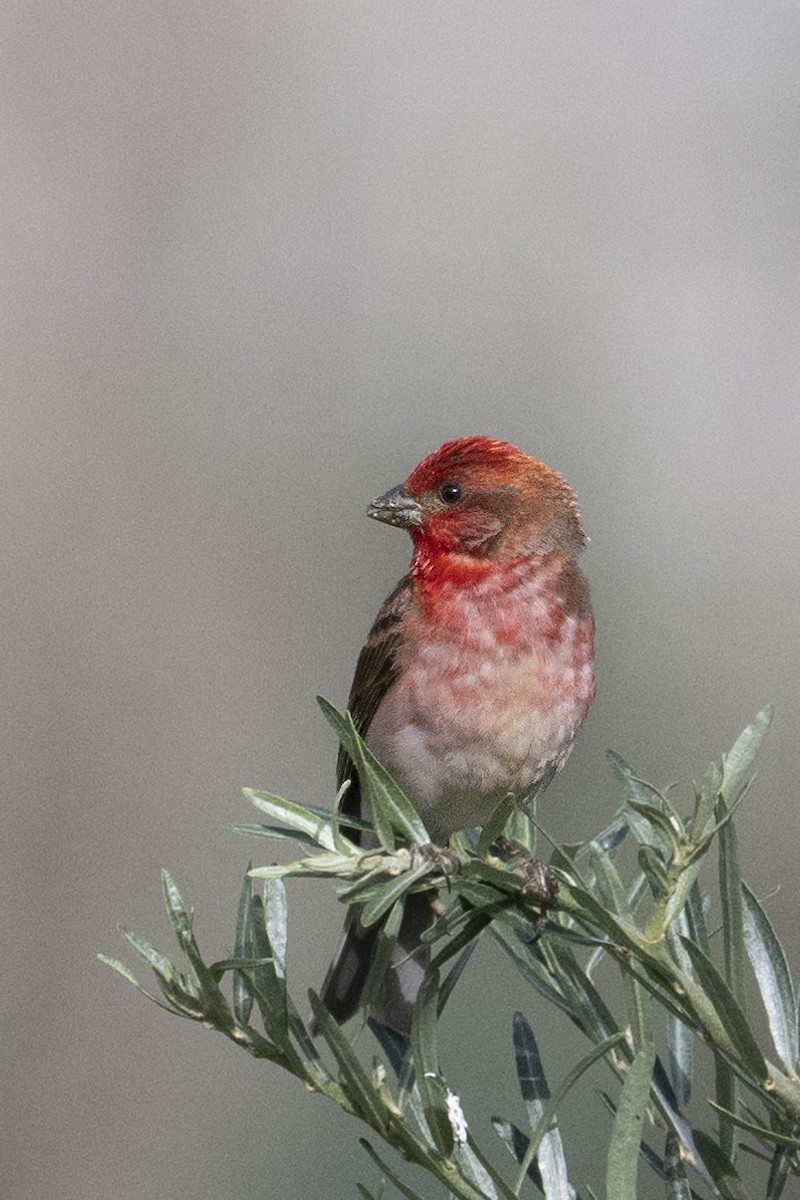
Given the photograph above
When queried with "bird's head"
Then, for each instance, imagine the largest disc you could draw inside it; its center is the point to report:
(486, 499)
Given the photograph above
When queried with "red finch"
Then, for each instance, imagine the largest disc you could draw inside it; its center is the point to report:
(477, 673)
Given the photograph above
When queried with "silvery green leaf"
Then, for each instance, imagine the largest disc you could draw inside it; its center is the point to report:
(626, 1137)
(738, 762)
(774, 981)
(535, 1093)
(728, 1011)
(390, 808)
(426, 1063)
(242, 949)
(720, 1168)
(295, 816)
(359, 1087)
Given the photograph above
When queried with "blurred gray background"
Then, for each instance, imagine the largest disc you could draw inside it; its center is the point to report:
(257, 260)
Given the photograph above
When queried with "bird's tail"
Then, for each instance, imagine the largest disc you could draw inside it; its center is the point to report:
(347, 975)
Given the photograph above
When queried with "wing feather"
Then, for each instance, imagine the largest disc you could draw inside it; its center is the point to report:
(376, 670)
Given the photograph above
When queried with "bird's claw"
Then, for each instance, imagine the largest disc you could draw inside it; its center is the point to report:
(540, 879)
(441, 856)
(537, 877)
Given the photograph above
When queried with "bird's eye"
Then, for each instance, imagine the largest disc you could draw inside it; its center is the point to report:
(450, 492)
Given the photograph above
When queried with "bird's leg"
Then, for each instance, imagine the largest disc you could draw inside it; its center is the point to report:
(538, 879)
(441, 856)
(447, 862)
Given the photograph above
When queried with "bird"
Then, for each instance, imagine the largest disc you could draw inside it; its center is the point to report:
(476, 675)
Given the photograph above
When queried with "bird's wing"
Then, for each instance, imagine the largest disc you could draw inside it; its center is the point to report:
(376, 670)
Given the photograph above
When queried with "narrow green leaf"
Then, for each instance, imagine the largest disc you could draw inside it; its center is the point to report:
(495, 825)
(635, 788)
(221, 966)
(277, 833)
(663, 834)
(480, 895)
(620, 931)
(266, 980)
(535, 1093)
(386, 1170)
(646, 1151)
(626, 1137)
(738, 762)
(774, 981)
(214, 1005)
(339, 820)
(726, 1093)
(608, 885)
(391, 891)
(242, 948)
(320, 865)
(345, 820)
(714, 828)
(521, 829)
(635, 893)
(704, 803)
(771, 1136)
(685, 882)
(531, 967)
(614, 833)
(181, 991)
(587, 1005)
(178, 914)
(730, 886)
(517, 1143)
(391, 810)
(680, 1039)
(695, 911)
(426, 1063)
(566, 1085)
(387, 934)
(502, 876)
(475, 1168)
(375, 867)
(276, 923)
(120, 968)
(530, 1073)
(464, 941)
(652, 864)
(454, 974)
(154, 959)
(639, 793)
(743, 1043)
(719, 1167)
(356, 1083)
(304, 820)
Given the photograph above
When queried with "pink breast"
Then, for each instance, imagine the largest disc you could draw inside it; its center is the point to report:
(488, 700)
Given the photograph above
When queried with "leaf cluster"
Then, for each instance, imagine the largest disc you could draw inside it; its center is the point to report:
(684, 984)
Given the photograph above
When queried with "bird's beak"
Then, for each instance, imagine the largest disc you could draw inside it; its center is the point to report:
(396, 507)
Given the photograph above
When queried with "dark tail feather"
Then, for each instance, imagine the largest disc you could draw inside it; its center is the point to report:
(347, 974)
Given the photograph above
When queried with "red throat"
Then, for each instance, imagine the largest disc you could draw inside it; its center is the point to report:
(433, 568)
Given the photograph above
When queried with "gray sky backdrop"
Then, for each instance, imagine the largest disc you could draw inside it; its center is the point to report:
(257, 260)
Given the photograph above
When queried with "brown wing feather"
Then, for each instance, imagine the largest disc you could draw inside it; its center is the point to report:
(376, 671)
